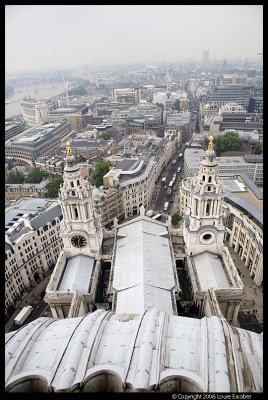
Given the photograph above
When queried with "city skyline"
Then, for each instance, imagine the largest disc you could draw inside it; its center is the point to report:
(49, 37)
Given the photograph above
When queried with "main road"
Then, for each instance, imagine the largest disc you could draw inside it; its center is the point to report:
(161, 188)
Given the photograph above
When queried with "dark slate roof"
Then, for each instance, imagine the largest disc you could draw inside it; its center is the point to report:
(7, 247)
(47, 216)
(241, 125)
(254, 158)
(245, 206)
(249, 183)
(99, 143)
(18, 234)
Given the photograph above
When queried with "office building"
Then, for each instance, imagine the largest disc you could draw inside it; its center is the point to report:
(126, 96)
(255, 105)
(250, 164)
(32, 246)
(40, 141)
(205, 59)
(16, 190)
(35, 111)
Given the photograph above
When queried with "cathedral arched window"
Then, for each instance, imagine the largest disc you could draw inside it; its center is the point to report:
(72, 184)
(209, 179)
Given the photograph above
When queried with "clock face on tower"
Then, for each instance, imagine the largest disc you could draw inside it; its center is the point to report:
(79, 241)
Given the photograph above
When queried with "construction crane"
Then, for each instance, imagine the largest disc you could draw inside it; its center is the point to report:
(244, 65)
(66, 84)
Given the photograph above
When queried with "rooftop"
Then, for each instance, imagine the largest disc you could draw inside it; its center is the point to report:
(77, 274)
(33, 137)
(210, 271)
(140, 177)
(193, 157)
(144, 276)
(52, 354)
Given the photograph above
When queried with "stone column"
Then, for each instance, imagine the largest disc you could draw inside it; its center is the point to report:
(230, 311)
(204, 208)
(199, 208)
(235, 313)
(54, 311)
(249, 249)
(259, 272)
(59, 312)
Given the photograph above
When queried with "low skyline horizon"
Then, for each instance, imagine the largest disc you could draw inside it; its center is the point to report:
(56, 36)
(138, 63)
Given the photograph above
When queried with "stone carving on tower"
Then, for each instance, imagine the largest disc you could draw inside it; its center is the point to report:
(203, 227)
(81, 226)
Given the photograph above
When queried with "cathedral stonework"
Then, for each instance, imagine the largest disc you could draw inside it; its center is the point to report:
(203, 227)
(81, 226)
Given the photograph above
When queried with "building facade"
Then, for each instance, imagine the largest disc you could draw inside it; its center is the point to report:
(140, 189)
(216, 285)
(32, 246)
(16, 190)
(43, 140)
(35, 112)
(243, 225)
(250, 164)
(128, 95)
(246, 238)
(72, 288)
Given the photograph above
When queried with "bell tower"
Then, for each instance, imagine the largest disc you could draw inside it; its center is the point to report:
(81, 226)
(203, 228)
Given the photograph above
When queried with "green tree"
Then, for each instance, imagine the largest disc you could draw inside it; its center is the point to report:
(105, 135)
(79, 90)
(230, 141)
(175, 219)
(53, 187)
(35, 175)
(160, 105)
(15, 177)
(259, 149)
(176, 105)
(101, 168)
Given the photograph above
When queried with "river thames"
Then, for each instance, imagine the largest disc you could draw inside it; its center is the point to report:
(41, 91)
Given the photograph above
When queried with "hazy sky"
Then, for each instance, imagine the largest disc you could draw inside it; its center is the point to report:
(41, 37)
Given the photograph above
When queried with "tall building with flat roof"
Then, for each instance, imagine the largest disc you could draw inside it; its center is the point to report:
(32, 245)
(251, 165)
(42, 140)
(35, 111)
(205, 58)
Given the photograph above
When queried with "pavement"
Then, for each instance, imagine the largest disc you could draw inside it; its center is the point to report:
(252, 299)
(30, 299)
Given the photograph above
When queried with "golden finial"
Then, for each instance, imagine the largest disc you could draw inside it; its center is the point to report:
(68, 149)
(210, 145)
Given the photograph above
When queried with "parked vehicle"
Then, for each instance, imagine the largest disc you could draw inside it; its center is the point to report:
(23, 315)
(149, 213)
(166, 206)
